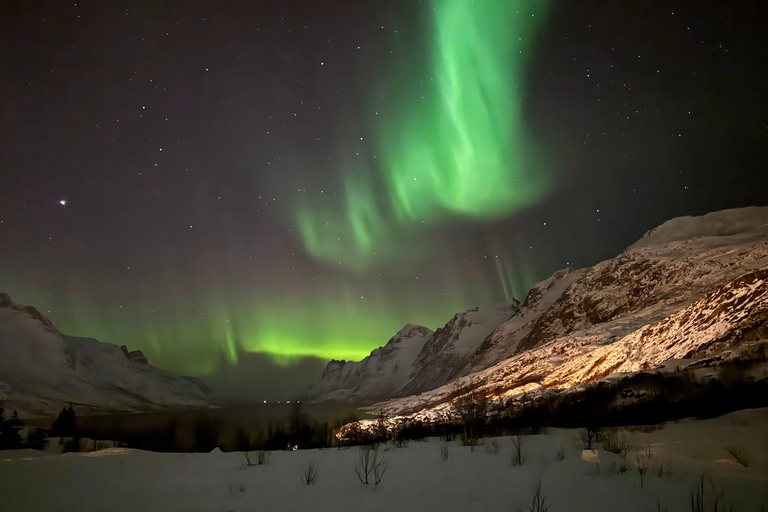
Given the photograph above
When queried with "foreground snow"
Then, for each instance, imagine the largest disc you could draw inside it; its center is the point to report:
(418, 478)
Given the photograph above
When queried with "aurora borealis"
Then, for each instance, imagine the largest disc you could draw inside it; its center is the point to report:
(461, 148)
(300, 179)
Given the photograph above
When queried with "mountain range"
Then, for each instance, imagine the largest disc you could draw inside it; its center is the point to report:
(692, 287)
(41, 370)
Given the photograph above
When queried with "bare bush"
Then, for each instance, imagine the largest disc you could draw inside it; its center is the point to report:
(400, 442)
(699, 501)
(258, 459)
(642, 461)
(370, 463)
(517, 457)
(739, 455)
(662, 468)
(494, 447)
(623, 467)
(587, 438)
(539, 501)
(620, 468)
(472, 409)
(444, 452)
(560, 453)
(618, 443)
(379, 470)
(309, 474)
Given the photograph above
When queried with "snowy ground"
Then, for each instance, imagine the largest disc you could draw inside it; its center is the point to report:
(418, 479)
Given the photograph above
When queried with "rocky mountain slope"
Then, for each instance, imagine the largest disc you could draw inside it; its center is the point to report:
(692, 287)
(445, 354)
(379, 375)
(41, 370)
(649, 304)
(414, 360)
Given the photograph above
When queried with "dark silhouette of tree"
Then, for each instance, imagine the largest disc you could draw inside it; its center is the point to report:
(65, 424)
(207, 433)
(9, 430)
(37, 438)
(472, 409)
(242, 440)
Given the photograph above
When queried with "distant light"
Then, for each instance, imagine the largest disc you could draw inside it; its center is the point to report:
(63, 202)
(265, 401)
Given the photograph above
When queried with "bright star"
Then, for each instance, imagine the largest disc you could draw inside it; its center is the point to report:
(63, 202)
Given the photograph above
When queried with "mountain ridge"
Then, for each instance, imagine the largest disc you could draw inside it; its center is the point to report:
(41, 370)
(671, 268)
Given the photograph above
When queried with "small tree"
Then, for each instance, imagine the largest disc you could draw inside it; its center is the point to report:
(370, 464)
(517, 457)
(617, 443)
(309, 474)
(65, 424)
(9, 430)
(642, 461)
(539, 501)
(259, 459)
(472, 409)
(588, 437)
(699, 502)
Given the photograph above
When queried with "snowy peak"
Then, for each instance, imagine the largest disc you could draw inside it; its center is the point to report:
(466, 331)
(413, 360)
(42, 370)
(504, 340)
(726, 227)
(377, 376)
(445, 354)
(411, 330)
(668, 269)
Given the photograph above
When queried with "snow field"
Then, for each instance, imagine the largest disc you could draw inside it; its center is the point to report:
(418, 478)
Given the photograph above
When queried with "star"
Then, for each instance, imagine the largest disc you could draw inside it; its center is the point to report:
(63, 202)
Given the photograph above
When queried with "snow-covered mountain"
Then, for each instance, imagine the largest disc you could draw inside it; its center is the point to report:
(379, 375)
(689, 288)
(445, 354)
(41, 370)
(693, 285)
(414, 360)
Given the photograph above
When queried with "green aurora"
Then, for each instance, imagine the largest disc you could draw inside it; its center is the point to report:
(460, 149)
(197, 334)
(457, 150)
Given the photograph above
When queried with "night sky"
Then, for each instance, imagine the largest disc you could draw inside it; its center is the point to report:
(220, 182)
